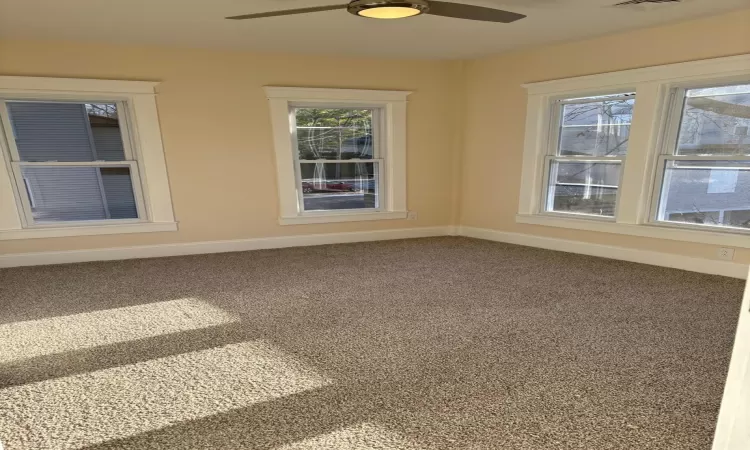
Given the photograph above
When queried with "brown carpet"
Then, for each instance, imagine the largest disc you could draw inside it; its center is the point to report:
(440, 343)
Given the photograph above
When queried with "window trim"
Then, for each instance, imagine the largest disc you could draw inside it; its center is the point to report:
(142, 144)
(653, 87)
(390, 130)
(13, 159)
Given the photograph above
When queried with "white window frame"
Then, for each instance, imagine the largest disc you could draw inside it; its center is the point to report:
(144, 154)
(553, 140)
(649, 134)
(671, 129)
(389, 129)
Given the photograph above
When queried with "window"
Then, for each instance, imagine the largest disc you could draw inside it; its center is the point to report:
(71, 161)
(75, 164)
(588, 148)
(338, 158)
(705, 171)
(673, 165)
(340, 154)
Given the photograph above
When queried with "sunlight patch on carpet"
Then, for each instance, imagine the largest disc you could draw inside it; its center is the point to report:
(91, 408)
(364, 436)
(24, 340)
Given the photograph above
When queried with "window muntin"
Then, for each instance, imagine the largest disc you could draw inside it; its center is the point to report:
(704, 174)
(338, 163)
(72, 162)
(589, 145)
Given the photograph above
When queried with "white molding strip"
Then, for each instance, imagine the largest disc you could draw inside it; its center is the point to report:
(672, 232)
(732, 432)
(728, 66)
(349, 217)
(47, 84)
(239, 245)
(89, 230)
(708, 266)
(328, 94)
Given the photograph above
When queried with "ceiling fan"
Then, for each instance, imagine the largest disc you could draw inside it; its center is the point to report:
(401, 9)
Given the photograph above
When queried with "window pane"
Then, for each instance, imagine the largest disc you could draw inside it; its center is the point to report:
(65, 131)
(331, 186)
(715, 121)
(334, 133)
(597, 128)
(118, 191)
(65, 193)
(714, 193)
(583, 188)
(105, 131)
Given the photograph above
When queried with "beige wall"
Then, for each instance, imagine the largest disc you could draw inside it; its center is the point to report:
(217, 136)
(496, 106)
(465, 126)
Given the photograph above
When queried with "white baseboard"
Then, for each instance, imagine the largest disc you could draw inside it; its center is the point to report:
(713, 267)
(709, 266)
(239, 245)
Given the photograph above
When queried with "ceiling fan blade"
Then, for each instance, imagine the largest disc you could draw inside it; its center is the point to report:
(471, 12)
(287, 12)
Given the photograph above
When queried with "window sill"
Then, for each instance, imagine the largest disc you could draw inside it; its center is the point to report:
(341, 217)
(650, 231)
(87, 230)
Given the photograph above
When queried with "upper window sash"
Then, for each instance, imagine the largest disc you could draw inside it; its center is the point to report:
(377, 119)
(124, 122)
(558, 125)
(676, 108)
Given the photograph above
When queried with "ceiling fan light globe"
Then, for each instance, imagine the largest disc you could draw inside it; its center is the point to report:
(387, 9)
(389, 12)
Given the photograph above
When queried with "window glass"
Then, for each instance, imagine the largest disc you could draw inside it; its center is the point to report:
(71, 163)
(66, 131)
(596, 128)
(332, 186)
(713, 193)
(715, 121)
(334, 134)
(583, 188)
(337, 135)
(584, 168)
(705, 177)
(72, 193)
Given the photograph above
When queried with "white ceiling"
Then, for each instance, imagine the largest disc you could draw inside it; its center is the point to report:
(200, 23)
